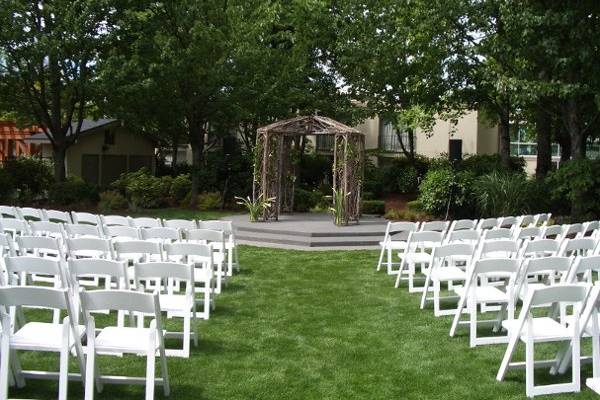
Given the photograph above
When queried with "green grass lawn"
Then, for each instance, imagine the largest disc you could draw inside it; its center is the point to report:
(181, 213)
(314, 325)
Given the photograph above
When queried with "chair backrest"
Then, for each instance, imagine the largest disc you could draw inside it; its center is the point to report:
(9, 211)
(400, 230)
(509, 222)
(546, 264)
(57, 216)
(530, 232)
(124, 300)
(497, 266)
(217, 225)
(577, 247)
(185, 224)
(504, 248)
(35, 296)
(471, 236)
(437, 226)
(453, 249)
(589, 227)
(206, 235)
(557, 294)
(119, 232)
(95, 267)
(497, 233)
(39, 245)
(540, 248)
(573, 231)
(462, 224)
(114, 220)
(424, 240)
(15, 227)
(82, 230)
(85, 218)
(164, 271)
(541, 219)
(161, 234)
(553, 231)
(145, 222)
(585, 266)
(16, 267)
(47, 228)
(90, 247)
(184, 251)
(527, 220)
(30, 213)
(488, 223)
(143, 248)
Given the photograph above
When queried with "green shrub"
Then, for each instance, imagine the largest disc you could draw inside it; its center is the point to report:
(305, 200)
(373, 207)
(575, 187)
(436, 190)
(8, 194)
(400, 175)
(482, 164)
(71, 192)
(407, 215)
(408, 180)
(31, 177)
(414, 205)
(209, 201)
(143, 190)
(180, 187)
(501, 194)
(112, 200)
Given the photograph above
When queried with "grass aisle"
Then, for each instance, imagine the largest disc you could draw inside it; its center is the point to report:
(322, 325)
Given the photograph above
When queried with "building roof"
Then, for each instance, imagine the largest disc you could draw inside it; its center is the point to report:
(87, 126)
(307, 125)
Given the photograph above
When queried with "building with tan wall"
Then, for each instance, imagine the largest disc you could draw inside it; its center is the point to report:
(104, 150)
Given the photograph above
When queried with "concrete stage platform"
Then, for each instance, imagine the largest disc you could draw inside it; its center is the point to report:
(309, 231)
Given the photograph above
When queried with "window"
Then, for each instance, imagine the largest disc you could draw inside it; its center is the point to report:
(109, 137)
(388, 138)
(325, 143)
(523, 142)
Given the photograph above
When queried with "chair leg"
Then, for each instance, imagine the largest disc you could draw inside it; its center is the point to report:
(512, 344)
(15, 366)
(529, 368)
(456, 320)
(150, 368)
(425, 290)
(195, 322)
(436, 297)
(163, 368)
(90, 371)
(389, 260)
(380, 258)
(4, 365)
(576, 365)
(63, 382)
(472, 322)
(186, 335)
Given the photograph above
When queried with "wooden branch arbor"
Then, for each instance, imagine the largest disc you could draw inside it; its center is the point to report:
(273, 168)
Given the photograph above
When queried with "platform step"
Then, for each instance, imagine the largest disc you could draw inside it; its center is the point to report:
(309, 241)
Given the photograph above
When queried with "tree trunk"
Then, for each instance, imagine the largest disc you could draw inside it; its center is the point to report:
(504, 138)
(577, 152)
(59, 153)
(197, 143)
(544, 143)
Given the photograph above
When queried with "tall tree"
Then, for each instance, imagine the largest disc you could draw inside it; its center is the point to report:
(47, 72)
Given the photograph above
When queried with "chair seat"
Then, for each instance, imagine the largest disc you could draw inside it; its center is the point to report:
(175, 302)
(43, 336)
(124, 339)
(530, 287)
(417, 258)
(485, 294)
(544, 329)
(449, 274)
(394, 245)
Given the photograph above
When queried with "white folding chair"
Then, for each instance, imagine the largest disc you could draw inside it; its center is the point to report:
(114, 220)
(435, 226)
(230, 242)
(9, 211)
(161, 234)
(145, 222)
(497, 233)
(528, 233)
(554, 232)
(201, 257)
(527, 221)
(7, 245)
(470, 236)
(590, 228)
(39, 336)
(138, 251)
(396, 234)
(510, 223)
(577, 247)
(539, 248)
(85, 218)
(47, 228)
(487, 223)
(120, 340)
(62, 217)
(82, 230)
(443, 269)
(30, 213)
(174, 303)
(582, 269)
(500, 248)
(183, 225)
(119, 233)
(541, 219)
(476, 292)
(43, 246)
(463, 224)
(15, 227)
(217, 241)
(574, 231)
(552, 270)
(532, 330)
(419, 247)
(90, 247)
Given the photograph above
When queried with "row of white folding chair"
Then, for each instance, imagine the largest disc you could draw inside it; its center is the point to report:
(67, 337)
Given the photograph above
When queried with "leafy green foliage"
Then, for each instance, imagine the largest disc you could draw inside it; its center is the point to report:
(501, 194)
(180, 187)
(112, 200)
(376, 207)
(73, 191)
(209, 201)
(30, 177)
(143, 190)
(576, 181)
